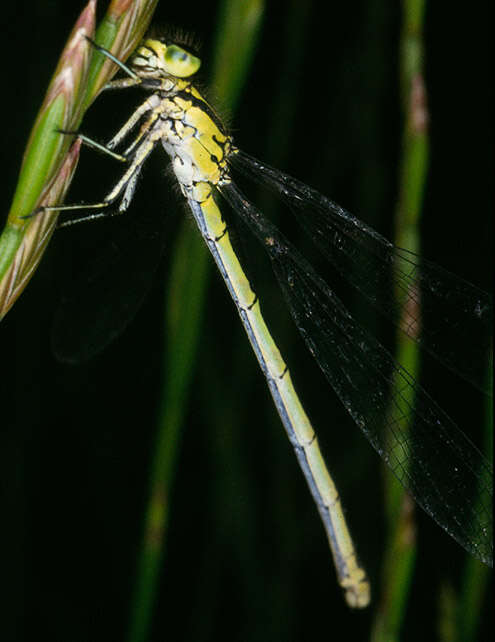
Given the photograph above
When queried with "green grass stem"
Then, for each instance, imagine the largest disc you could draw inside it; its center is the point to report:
(184, 301)
(400, 551)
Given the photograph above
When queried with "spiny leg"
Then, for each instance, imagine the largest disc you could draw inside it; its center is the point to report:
(151, 104)
(118, 62)
(125, 187)
(89, 142)
(81, 206)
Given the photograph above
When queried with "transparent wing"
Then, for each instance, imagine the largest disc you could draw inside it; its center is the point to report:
(435, 461)
(110, 289)
(460, 315)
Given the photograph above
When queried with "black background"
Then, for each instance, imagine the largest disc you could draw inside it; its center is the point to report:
(246, 556)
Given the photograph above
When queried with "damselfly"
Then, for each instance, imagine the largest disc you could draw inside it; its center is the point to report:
(434, 460)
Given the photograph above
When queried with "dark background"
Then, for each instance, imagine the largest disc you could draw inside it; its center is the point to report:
(246, 556)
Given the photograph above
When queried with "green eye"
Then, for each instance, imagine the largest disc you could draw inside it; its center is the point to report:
(179, 62)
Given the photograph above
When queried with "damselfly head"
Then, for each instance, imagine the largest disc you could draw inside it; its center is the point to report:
(153, 58)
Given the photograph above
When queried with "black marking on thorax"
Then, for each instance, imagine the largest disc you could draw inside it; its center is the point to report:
(201, 103)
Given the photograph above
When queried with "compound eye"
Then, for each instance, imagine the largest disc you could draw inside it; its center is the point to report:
(179, 62)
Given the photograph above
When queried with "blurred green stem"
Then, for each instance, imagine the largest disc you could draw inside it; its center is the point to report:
(238, 26)
(476, 575)
(400, 550)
